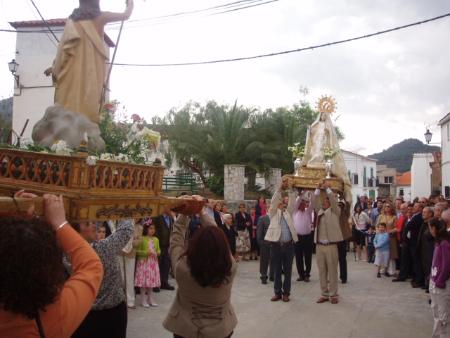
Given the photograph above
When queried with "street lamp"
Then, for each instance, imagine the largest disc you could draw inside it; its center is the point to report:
(428, 135)
(13, 68)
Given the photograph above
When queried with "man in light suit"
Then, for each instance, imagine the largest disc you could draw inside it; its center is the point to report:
(328, 234)
(282, 235)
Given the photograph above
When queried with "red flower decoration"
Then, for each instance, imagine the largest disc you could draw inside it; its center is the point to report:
(136, 118)
(108, 107)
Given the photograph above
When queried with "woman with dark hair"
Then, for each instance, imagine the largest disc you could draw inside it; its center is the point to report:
(108, 316)
(260, 207)
(243, 226)
(218, 216)
(360, 223)
(440, 279)
(35, 300)
(254, 248)
(204, 272)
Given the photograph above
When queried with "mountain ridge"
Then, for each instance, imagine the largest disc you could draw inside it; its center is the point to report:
(400, 155)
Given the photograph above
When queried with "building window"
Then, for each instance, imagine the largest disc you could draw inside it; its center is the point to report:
(448, 131)
(402, 192)
(365, 177)
(388, 179)
(355, 178)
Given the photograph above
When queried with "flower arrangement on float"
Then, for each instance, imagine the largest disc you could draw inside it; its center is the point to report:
(129, 142)
(297, 150)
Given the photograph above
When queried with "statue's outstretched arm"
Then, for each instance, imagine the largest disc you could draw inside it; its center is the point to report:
(108, 17)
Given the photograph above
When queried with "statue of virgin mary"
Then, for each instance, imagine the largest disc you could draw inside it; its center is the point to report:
(321, 135)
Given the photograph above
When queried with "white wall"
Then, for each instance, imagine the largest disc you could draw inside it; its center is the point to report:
(445, 145)
(406, 192)
(35, 54)
(355, 165)
(421, 175)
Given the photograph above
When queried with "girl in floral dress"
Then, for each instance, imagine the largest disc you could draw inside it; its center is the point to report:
(147, 269)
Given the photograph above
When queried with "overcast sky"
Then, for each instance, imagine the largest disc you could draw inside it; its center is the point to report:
(388, 88)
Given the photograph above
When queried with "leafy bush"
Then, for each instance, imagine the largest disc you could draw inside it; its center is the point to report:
(216, 184)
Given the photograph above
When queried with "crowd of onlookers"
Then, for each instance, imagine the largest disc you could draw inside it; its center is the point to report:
(396, 235)
(409, 240)
(64, 280)
(405, 240)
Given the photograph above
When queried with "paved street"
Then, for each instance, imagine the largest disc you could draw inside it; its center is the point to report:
(369, 307)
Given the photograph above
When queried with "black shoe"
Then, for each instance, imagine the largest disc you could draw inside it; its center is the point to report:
(300, 279)
(167, 287)
(306, 279)
(427, 291)
(343, 281)
(416, 285)
(387, 274)
(263, 281)
(156, 290)
(399, 280)
(378, 275)
(271, 279)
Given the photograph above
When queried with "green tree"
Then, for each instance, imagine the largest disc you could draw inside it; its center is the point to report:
(5, 129)
(205, 138)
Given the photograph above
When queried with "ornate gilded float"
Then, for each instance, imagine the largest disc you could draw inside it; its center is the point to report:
(92, 190)
(310, 178)
(321, 159)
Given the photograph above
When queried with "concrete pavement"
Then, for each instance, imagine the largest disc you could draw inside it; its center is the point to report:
(369, 307)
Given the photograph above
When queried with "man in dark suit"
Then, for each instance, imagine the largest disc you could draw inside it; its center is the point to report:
(164, 225)
(346, 234)
(264, 249)
(425, 246)
(410, 238)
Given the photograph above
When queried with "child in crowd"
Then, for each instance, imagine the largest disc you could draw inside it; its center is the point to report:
(101, 231)
(381, 244)
(147, 269)
(440, 279)
(370, 236)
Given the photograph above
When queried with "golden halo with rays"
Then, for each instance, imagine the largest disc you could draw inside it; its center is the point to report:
(326, 104)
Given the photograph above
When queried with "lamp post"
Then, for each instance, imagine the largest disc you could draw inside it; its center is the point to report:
(13, 68)
(428, 135)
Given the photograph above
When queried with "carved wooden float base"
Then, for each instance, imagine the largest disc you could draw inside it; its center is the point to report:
(103, 190)
(310, 178)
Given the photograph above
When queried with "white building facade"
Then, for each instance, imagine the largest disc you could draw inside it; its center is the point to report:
(403, 187)
(33, 91)
(362, 172)
(445, 153)
(404, 191)
(421, 175)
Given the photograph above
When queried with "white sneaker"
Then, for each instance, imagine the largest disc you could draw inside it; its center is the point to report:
(152, 302)
(144, 302)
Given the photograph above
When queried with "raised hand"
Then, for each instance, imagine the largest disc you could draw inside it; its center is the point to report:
(54, 210)
(24, 194)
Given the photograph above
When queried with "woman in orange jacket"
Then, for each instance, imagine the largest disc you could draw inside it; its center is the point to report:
(35, 300)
